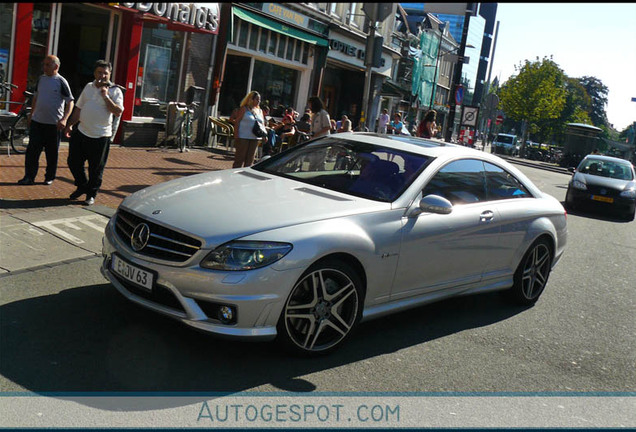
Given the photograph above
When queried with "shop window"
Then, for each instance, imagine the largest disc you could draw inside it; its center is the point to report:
(281, 46)
(254, 31)
(277, 85)
(6, 23)
(291, 43)
(243, 30)
(39, 40)
(305, 53)
(298, 51)
(159, 67)
(262, 47)
(273, 39)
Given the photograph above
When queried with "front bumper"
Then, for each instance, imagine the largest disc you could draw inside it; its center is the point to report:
(189, 293)
(583, 198)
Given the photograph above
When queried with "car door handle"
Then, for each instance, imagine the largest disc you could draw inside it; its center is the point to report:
(486, 216)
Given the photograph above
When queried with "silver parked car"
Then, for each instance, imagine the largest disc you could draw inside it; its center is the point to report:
(341, 229)
(604, 182)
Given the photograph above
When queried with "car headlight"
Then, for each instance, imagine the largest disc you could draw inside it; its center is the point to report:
(245, 255)
(579, 185)
(629, 193)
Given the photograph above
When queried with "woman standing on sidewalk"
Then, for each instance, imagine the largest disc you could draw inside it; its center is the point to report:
(245, 140)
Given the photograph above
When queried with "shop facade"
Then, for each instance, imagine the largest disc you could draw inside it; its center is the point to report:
(158, 50)
(273, 50)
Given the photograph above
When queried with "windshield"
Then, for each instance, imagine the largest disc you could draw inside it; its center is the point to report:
(360, 169)
(604, 168)
(505, 139)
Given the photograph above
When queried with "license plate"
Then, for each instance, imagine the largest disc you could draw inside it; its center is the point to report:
(602, 199)
(131, 273)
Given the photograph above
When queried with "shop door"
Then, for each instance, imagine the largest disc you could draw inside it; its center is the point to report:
(329, 100)
(82, 41)
(235, 82)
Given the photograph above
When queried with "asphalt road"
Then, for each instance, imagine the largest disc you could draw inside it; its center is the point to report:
(65, 329)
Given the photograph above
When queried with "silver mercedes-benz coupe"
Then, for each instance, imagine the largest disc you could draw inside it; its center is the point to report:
(308, 243)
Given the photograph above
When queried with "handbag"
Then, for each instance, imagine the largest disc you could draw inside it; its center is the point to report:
(259, 128)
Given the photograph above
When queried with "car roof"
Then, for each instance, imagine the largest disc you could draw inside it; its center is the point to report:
(608, 159)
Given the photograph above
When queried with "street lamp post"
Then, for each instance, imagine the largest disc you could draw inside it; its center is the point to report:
(458, 74)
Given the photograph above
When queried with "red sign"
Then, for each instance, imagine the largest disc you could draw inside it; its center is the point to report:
(499, 119)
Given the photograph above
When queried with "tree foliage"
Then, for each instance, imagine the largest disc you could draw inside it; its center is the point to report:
(598, 94)
(535, 95)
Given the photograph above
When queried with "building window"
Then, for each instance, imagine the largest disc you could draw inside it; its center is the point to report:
(243, 33)
(352, 14)
(333, 9)
(277, 85)
(254, 32)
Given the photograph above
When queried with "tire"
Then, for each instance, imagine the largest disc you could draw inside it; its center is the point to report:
(532, 274)
(322, 309)
(629, 216)
(569, 202)
(19, 135)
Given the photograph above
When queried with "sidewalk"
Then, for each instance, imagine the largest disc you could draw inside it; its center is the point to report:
(128, 170)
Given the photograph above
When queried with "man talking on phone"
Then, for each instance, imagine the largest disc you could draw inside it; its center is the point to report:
(100, 102)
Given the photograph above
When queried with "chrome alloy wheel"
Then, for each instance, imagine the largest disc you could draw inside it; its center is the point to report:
(322, 308)
(532, 274)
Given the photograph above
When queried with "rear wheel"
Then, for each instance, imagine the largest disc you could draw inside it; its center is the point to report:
(182, 139)
(532, 274)
(322, 309)
(19, 135)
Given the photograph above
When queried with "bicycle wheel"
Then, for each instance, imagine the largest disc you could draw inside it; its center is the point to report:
(19, 135)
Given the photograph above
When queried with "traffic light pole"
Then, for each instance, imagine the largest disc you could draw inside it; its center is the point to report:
(364, 117)
(457, 75)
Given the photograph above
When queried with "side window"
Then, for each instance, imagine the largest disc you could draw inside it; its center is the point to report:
(460, 182)
(503, 185)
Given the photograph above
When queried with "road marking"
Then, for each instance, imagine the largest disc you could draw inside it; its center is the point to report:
(88, 221)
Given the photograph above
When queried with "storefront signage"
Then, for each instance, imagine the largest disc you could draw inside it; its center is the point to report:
(285, 14)
(349, 50)
(196, 15)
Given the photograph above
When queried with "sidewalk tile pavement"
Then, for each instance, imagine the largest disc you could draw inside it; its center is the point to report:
(127, 170)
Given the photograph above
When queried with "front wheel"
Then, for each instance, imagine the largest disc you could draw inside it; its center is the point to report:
(322, 309)
(532, 274)
(182, 139)
(19, 135)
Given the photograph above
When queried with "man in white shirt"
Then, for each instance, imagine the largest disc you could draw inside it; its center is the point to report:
(99, 102)
(384, 121)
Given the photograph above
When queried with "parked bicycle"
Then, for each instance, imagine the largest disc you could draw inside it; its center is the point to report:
(179, 124)
(15, 127)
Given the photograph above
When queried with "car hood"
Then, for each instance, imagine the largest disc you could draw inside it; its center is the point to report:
(606, 182)
(219, 206)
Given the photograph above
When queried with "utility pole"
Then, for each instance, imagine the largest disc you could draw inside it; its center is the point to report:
(458, 74)
(368, 61)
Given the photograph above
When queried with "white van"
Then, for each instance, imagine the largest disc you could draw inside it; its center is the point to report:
(505, 144)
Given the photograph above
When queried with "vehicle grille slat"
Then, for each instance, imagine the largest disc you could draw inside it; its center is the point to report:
(163, 243)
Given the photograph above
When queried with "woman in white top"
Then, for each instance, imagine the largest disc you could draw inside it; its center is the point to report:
(320, 121)
(245, 142)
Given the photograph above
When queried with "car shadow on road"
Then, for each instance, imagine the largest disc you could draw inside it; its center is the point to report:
(593, 214)
(91, 339)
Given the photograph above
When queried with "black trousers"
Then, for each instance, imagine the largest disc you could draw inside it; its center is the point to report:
(84, 149)
(42, 137)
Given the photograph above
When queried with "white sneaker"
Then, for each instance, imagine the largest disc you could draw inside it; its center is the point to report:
(89, 201)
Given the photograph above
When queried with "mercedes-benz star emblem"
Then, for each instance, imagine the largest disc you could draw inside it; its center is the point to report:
(140, 236)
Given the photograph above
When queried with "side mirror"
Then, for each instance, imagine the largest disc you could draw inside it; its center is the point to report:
(435, 204)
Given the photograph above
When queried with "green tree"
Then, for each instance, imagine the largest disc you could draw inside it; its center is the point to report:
(575, 110)
(536, 94)
(598, 94)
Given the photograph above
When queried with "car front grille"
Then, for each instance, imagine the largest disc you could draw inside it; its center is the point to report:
(608, 192)
(163, 243)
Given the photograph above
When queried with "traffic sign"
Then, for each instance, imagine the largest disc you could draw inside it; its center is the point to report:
(459, 95)
(499, 119)
(470, 115)
(377, 11)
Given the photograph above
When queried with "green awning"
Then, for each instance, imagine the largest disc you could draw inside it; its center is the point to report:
(272, 25)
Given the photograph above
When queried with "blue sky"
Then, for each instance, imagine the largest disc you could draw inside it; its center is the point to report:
(593, 39)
